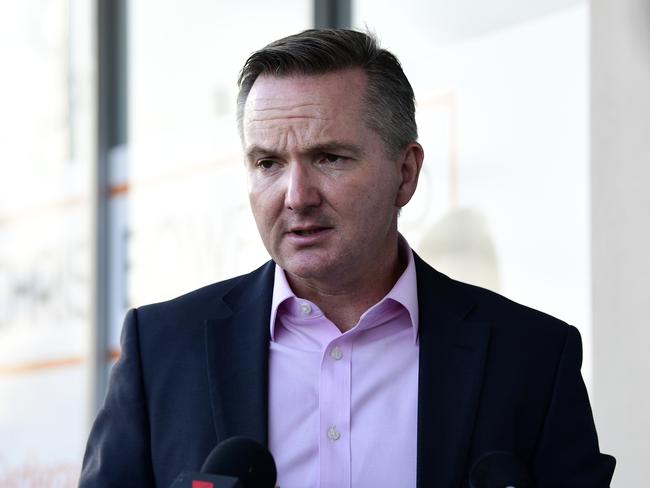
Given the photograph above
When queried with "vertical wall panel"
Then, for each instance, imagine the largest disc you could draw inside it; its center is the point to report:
(620, 208)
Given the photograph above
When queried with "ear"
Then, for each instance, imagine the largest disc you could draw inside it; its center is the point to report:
(410, 164)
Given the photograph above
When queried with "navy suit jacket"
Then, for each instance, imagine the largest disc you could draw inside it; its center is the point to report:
(493, 375)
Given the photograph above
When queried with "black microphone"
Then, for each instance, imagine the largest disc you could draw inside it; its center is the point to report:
(499, 469)
(238, 462)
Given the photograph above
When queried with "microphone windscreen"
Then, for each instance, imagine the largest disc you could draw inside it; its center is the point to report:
(499, 469)
(245, 459)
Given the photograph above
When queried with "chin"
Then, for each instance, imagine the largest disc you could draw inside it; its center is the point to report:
(306, 268)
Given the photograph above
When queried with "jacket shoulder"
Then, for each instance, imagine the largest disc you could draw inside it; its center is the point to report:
(492, 305)
(210, 301)
(471, 302)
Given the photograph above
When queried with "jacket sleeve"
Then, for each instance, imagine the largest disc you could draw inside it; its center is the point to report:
(568, 452)
(118, 450)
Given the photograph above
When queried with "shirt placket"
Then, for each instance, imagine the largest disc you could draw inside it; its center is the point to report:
(334, 400)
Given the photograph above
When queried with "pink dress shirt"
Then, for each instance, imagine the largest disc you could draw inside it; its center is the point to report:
(343, 406)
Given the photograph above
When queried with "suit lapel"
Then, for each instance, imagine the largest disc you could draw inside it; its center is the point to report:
(452, 358)
(237, 347)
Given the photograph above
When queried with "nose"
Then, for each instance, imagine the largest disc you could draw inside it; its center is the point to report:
(302, 188)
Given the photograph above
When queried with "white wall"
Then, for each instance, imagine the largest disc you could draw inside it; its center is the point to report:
(620, 145)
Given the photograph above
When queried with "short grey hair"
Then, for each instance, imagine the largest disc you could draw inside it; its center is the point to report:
(389, 102)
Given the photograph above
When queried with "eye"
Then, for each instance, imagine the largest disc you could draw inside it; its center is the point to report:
(331, 158)
(265, 163)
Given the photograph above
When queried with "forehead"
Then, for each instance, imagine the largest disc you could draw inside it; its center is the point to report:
(326, 96)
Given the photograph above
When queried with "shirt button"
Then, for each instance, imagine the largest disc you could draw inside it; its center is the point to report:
(305, 308)
(333, 434)
(336, 353)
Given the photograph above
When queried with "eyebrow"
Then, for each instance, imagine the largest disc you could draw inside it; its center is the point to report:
(326, 147)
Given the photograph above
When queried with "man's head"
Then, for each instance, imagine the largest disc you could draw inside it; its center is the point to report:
(325, 185)
(388, 102)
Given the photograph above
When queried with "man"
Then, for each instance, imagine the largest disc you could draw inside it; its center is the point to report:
(353, 360)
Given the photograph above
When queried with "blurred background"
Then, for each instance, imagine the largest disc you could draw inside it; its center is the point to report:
(121, 183)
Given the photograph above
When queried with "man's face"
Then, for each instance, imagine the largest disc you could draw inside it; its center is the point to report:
(322, 190)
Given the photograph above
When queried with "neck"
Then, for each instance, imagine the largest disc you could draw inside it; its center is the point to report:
(343, 301)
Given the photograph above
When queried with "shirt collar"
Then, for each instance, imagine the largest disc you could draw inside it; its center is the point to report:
(405, 290)
(281, 292)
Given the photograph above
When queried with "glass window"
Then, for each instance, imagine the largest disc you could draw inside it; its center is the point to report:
(189, 220)
(502, 90)
(47, 115)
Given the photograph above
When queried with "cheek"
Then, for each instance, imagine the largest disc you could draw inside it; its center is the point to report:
(378, 194)
(266, 206)
(375, 207)
(256, 201)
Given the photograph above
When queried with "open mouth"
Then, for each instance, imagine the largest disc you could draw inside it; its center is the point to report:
(306, 232)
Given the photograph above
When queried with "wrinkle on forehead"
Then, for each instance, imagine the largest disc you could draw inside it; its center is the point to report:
(263, 112)
(281, 137)
(300, 112)
(286, 117)
(291, 123)
(291, 106)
